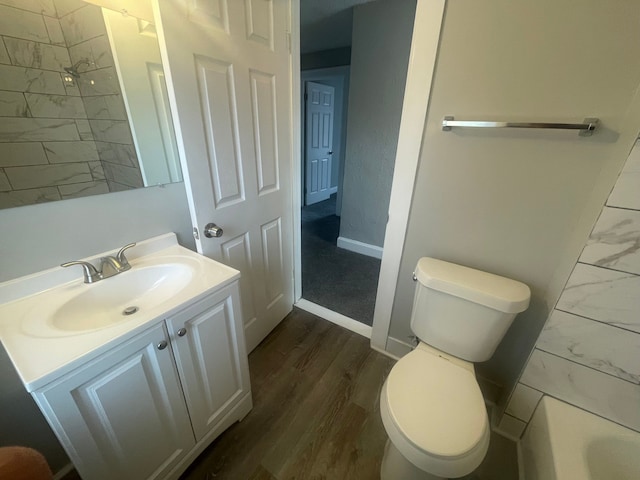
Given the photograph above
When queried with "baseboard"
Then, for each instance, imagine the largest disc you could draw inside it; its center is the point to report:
(397, 348)
(385, 353)
(331, 190)
(60, 474)
(360, 247)
(334, 317)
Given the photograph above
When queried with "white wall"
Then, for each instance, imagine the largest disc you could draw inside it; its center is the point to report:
(42, 236)
(379, 58)
(521, 203)
(588, 352)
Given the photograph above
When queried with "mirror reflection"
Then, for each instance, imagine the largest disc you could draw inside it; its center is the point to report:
(83, 101)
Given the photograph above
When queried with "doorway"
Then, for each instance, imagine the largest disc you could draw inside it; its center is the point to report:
(343, 235)
(333, 277)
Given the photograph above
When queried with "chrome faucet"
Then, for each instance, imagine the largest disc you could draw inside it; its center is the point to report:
(91, 275)
(113, 265)
(109, 266)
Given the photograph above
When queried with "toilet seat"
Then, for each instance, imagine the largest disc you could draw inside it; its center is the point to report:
(434, 413)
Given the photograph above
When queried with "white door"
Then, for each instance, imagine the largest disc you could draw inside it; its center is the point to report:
(228, 70)
(319, 104)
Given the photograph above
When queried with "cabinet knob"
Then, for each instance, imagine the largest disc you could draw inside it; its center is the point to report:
(182, 332)
(162, 345)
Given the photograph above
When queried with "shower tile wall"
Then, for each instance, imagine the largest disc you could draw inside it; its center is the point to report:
(86, 37)
(588, 353)
(59, 142)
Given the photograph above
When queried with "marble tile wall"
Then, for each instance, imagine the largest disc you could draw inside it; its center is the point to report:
(42, 153)
(588, 353)
(50, 131)
(86, 37)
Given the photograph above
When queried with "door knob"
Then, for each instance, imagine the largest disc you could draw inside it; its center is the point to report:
(162, 345)
(211, 230)
(330, 152)
(182, 332)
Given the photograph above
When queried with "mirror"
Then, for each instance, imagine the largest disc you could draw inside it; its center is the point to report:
(83, 101)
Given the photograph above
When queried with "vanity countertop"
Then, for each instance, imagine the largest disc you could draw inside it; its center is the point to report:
(45, 338)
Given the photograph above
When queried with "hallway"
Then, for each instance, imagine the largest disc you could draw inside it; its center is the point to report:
(335, 278)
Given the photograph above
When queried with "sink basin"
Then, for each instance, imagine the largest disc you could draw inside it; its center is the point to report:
(83, 308)
(115, 299)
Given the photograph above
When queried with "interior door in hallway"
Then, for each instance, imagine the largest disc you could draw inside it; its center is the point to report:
(229, 74)
(319, 104)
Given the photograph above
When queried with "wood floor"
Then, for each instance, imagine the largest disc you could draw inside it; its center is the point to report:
(315, 416)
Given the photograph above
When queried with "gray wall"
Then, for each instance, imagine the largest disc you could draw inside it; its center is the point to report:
(42, 236)
(336, 57)
(380, 54)
(325, 27)
(521, 203)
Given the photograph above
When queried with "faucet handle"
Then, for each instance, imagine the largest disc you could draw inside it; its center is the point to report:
(122, 259)
(91, 274)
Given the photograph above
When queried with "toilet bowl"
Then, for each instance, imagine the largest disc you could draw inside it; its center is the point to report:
(431, 405)
(435, 416)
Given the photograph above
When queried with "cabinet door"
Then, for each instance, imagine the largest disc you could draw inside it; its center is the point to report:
(122, 415)
(211, 357)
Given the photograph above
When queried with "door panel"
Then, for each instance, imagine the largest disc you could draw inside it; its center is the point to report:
(273, 264)
(219, 115)
(260, 22)
(228, 65)
(209, 13)
(237, 252)
(264, 130)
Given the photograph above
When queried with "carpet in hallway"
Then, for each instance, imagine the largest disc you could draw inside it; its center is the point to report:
(338, 279)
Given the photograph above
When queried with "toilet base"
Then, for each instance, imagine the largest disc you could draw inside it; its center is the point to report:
(396, 466)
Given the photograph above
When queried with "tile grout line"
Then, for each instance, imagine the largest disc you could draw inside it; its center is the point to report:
(586, 366)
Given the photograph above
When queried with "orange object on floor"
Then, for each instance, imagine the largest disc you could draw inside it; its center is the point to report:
(22, 463)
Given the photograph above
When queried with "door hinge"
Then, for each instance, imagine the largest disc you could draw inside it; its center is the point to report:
(305, 97)
(289, 41)
(196, 234)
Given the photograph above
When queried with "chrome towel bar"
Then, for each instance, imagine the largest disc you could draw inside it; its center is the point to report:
(586, 128)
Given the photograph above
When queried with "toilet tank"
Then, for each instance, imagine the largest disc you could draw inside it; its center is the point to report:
(463, 311)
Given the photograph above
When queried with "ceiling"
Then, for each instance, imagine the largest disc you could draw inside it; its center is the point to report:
(326, 24)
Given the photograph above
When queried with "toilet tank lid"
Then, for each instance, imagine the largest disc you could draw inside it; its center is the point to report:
(493, 291)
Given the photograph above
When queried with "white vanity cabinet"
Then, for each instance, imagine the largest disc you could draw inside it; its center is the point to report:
(122, 415)
(148, 407)
(208, 343)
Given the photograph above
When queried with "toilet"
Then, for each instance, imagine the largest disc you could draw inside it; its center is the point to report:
(431, 404)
